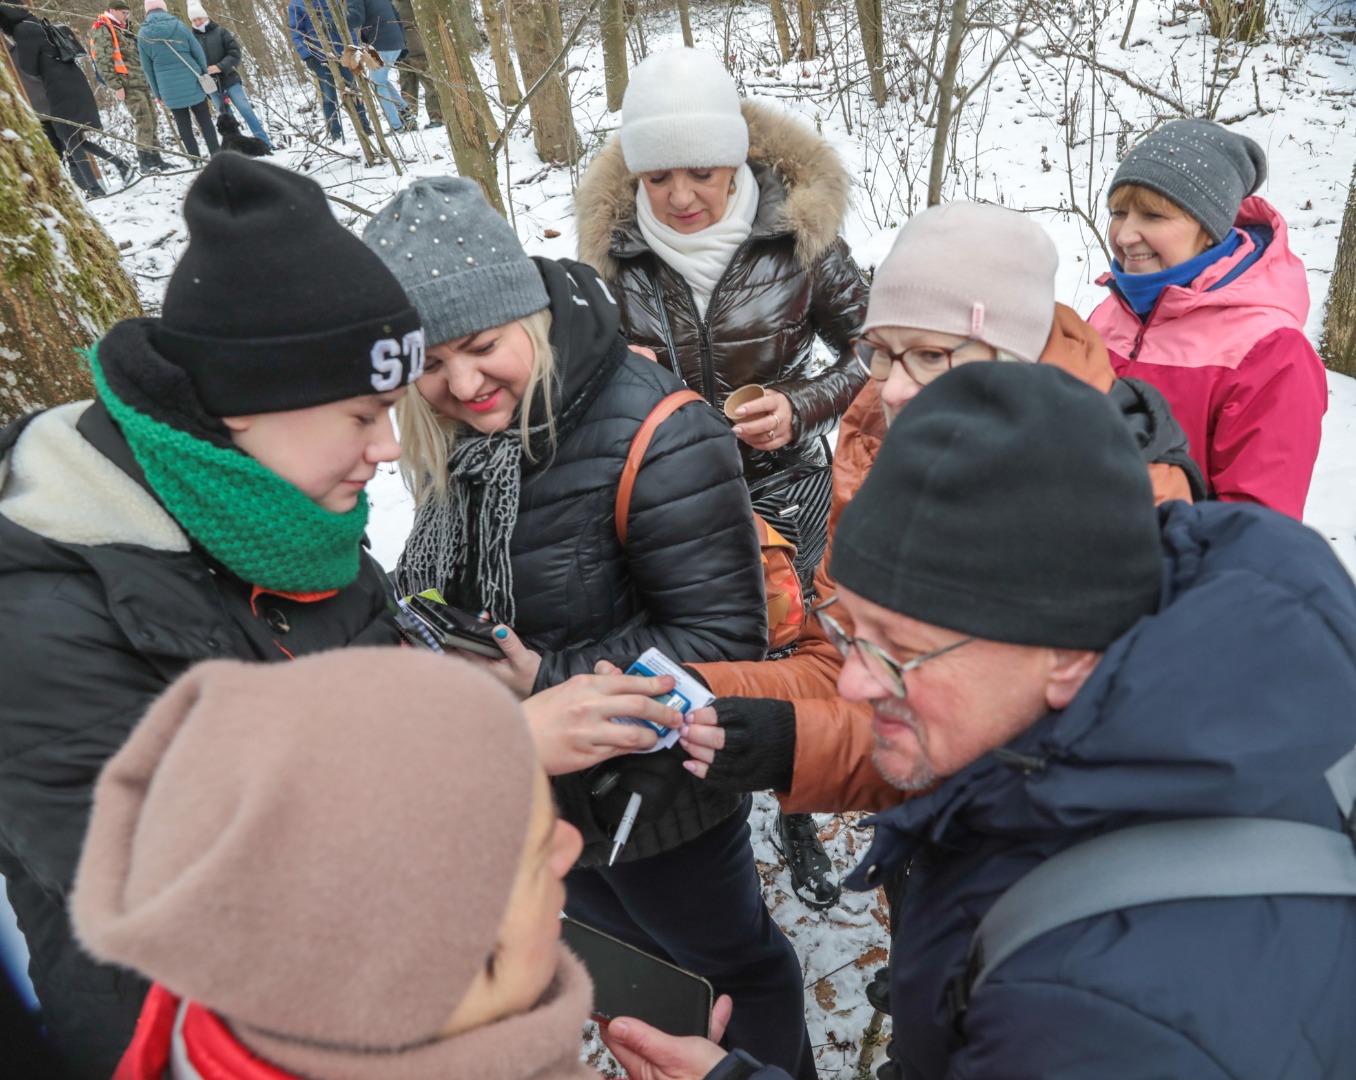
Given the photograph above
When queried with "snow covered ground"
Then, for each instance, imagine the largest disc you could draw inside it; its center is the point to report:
(1292, 93)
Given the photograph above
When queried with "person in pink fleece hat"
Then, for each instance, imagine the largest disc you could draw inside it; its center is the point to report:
(315, 895)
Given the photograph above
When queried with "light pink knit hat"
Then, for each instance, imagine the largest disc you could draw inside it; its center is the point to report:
(321, 849)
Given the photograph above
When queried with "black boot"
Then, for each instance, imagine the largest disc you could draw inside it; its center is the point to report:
(124, 168)
(150, 163)
(878, 990)
(811, 869)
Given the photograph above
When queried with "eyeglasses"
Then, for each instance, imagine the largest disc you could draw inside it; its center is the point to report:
(883, 667)
(924, 363)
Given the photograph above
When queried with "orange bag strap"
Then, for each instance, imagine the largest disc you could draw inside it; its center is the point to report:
(661, 412)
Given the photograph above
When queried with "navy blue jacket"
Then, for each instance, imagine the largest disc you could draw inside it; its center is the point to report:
(376, 23)
(1232, 700)
(308, 42)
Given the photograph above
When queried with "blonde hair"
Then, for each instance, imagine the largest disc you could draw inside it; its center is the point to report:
(1142, 200)
(427, 437)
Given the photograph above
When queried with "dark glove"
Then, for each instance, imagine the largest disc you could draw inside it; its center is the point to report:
(760, 744)
(656, 778)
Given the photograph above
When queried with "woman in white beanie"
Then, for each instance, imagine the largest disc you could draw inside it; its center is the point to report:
(715, 223)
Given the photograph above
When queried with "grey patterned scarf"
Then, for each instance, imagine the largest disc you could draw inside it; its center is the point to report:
(460, 544)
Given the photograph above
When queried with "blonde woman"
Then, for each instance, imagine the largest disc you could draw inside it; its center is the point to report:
(514, 441)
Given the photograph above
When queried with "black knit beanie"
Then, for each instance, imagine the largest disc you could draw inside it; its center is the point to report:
(275, 305)
(1008, 501)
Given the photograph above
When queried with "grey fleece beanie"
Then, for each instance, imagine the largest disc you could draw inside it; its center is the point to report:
(1008, 501)
(1205, 169)
(970, 269)
(460, 263)
(320, 851)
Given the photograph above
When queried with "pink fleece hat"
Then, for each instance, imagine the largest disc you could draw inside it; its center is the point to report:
(155, 5)
(320, 850)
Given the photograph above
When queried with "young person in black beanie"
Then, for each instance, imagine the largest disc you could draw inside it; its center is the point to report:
(515, 439)
(1047, 661)
(207, 503)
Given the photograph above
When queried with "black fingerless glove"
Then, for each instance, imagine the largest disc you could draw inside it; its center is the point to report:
(760, 744)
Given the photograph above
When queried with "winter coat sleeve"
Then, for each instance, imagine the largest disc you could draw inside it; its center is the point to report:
(147, 50)
(103, 57)
(356, 15)
(1161, 440)
(196, 50)
(1268, 421)
(28, 42)
(692, 554)
(838, 309)
(231, 60)
(299, 25)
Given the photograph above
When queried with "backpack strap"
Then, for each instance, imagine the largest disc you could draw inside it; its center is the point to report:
(1170, 860)
(639, 444)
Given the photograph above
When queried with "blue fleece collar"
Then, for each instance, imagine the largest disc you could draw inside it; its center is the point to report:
(1141, 291)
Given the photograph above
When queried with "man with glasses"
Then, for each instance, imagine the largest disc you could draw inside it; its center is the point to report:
(1048, 660)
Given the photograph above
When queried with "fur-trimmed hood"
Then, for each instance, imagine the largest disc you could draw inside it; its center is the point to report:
(813, 200)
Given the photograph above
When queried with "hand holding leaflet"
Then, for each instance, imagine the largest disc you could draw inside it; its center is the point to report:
(687, 694)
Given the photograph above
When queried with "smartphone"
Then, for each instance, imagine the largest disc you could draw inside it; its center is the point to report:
(671, 700)
(628, 982)
(455, 628)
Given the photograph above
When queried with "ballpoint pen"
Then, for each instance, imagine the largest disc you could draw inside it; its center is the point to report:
(623, 832)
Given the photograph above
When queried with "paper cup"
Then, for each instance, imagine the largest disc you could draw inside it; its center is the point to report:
(742, 397)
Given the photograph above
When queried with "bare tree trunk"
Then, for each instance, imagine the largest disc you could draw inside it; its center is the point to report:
(463, 21)
(449, 61)
(783, 25)
(1338, 345)
(537, 35)
(871, 19)
(61, 283)
(496, 27)
(685, 20)
(806, 11)
(946, 92)
(612, 23)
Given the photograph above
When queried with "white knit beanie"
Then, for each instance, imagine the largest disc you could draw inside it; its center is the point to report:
(195, 10)
(681, 111)
(970, 269)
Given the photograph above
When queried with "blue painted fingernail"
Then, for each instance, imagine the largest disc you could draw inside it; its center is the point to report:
(501, 633)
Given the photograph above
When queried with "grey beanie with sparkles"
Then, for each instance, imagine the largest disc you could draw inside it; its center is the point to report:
(1205, 169)
(320, 851)
(971, 269)
(459, 262)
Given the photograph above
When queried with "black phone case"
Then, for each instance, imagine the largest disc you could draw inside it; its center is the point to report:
(457, 628)
(630, 982)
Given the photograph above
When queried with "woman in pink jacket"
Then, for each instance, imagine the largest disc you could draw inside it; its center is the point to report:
(1208, 304)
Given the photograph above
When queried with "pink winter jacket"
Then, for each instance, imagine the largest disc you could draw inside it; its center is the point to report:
(1234, 364)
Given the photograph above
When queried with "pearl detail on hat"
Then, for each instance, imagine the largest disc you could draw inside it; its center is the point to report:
(434, 271)
(470, 261)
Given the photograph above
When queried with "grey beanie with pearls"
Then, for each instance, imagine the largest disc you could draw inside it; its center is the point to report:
(459, 262)
(681, 110)
(1201, 167)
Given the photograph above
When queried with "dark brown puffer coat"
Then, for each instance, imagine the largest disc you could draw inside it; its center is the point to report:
(791, 280)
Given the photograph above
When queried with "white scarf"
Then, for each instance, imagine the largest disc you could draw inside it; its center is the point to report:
(701, 257)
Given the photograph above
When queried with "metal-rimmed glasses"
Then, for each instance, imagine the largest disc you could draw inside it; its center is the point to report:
(882, 667)
(924, 363)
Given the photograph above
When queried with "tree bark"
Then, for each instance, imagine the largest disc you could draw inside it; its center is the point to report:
(537, 35)
(806, 10)
(1338, 344)
(496, 27)
(449, 62)
(612, 23)
(946, 95)
(463, 21)
(871, 20)
(61, 282)
(685, 20)
(783, 25)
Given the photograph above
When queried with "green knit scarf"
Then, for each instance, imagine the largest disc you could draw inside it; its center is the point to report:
(264, 530)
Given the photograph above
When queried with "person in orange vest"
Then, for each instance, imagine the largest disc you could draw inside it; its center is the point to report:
(113, 46)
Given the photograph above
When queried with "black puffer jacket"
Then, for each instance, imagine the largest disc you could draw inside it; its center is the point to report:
(103, 602)
(791, 280)
(221, 48)
(689, 580)
(68, 93)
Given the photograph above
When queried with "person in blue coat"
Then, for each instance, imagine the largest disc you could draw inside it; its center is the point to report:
(315, 47)
(172, 60)
(1048, 660)
(374, 23)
